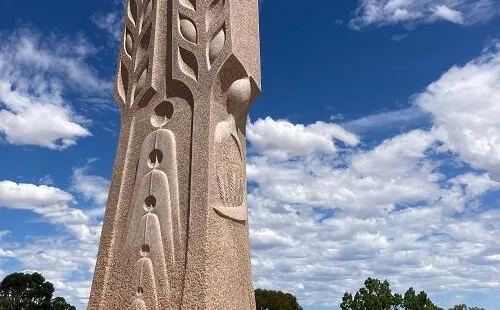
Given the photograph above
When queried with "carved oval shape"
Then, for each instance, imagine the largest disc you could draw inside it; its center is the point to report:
(217, 44)
(132, 11)
(163, 112)
(129, 43)
(190, 4)
(188, 63)
(238, 95)
(188, 30)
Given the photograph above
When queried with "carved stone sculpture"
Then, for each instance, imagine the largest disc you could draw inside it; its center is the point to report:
(175, 233)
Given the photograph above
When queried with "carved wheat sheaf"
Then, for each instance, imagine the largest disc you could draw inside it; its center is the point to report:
(134, 67)
(214, 17)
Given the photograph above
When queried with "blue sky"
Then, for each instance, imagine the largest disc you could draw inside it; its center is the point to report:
(374, 149)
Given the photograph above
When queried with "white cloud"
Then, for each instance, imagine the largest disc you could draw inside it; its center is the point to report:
(464, 106)
(64, 258)
(283, 139)
(408, 150)
(110, 22)
(387, 120)
(411, 12)
(52, 203)
(29, 196)
(444, 12)
(92, 187)
(327, 211)
(34, 73)
(399, 210)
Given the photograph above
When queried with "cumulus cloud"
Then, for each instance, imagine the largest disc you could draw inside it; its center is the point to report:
(397, 210)
(67, 260)
(464, 107)
(282, 139)
(34, 73)
(385, 12)
(50, 202)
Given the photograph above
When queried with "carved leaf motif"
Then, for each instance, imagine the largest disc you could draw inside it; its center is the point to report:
(188, 29)
(123, 82)
(215, 10)
(190, 4)
(188, 63)
(142, 79)
(147, 12)
(129, 43)
(132, 11)
(217, 44)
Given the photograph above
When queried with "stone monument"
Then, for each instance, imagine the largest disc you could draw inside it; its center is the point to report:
(175, 233)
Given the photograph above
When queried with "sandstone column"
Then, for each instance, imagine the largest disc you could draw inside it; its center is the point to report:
(175, 233)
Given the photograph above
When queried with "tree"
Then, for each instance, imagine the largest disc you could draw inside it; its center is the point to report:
(375, 295)
(19, 291)
(60, 303)
(421, 301)
(275, 300)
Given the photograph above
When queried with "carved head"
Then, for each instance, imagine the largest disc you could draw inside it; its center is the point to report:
(238, 96)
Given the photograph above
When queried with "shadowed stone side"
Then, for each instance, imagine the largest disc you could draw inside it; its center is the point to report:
(175, 234)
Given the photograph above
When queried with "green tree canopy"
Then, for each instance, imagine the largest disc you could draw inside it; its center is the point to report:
(275, 300)
(20, 291)
(377, 295)
(421, 301)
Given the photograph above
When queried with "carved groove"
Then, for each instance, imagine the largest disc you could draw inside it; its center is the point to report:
(146, 39)
(123, 82)
(188, 63)
(141, 81)
(147, 12)
(132, 11)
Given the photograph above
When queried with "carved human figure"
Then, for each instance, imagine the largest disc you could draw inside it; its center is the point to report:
(229, 154)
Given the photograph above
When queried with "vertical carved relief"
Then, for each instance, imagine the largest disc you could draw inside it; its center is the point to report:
(179, 145)
(230, 163)
(136, 67)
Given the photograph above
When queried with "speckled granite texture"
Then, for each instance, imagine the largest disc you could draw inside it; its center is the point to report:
(175, 232)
